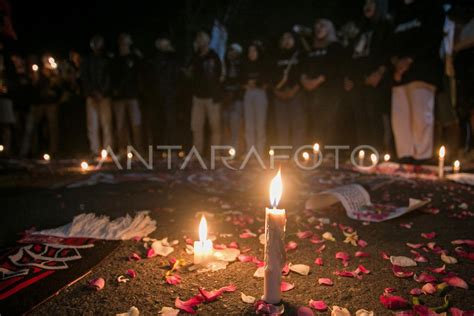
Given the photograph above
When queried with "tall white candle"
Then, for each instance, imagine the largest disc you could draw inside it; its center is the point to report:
(275, 256)
(361, 157)
(442, 153)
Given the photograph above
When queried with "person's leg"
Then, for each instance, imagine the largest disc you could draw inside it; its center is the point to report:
(401, 122)
(297, 121)
(198, 118)
(422, 97)
(261, 104)
(235, 121)
(92, 111)
(105, 115)
(30, 126)
(283, 121)
(249, 118)
(120, 130)
(53, 127)
(133, 107)
(213, 111)
(171, 121)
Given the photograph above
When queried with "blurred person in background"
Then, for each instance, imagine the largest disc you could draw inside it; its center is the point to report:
(232, 97)
(254, 80)
(125, 87)
(289, 109)
(416, 38)
(206, 71)
(322, 83)
(367, 74)
(95, 79)
(47, 93)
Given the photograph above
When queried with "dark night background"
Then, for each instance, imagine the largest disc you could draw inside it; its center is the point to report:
(57, 26)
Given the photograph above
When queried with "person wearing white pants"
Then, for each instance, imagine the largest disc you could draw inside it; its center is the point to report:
(413, 119)
(99, 120)
(201, 109)
(255, 113)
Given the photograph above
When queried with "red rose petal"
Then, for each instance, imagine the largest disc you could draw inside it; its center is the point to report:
(304, 235)
(131, 273)
(318, 305)
(304, 311)
(134, 256)
(456, 282)
(291, 245)
(361, 254)
(393, 302)
(173, 279)
(400, 273)
(325, 281)
(424, 278)
(319, 261)
(430, 235)
(285, 286)
(97, 284)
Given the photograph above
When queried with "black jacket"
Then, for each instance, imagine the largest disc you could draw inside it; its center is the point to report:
(95, 75)
(125, 77)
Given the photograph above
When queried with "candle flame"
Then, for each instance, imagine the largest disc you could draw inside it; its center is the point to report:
(361, 154)
(305, 156)
(373, 158)
(103, 153)
(457, 164)
(84, 165)
(442, 152)
(46, 157)
(316, 147)
(276, 189)
(386, 157)
(203, 229)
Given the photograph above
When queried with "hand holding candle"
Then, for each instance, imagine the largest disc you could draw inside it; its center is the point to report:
(275, 257)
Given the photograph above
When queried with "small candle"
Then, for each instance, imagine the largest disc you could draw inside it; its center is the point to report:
(373, 158)
(232, 152)
(315, 148)
(103, 153)
(305, 156)
(1, 148)
(456, 166)
(129, 155)
(442, 153)
(203, 251)
(275, 256)
(46, 157)
(35, 67)
(84, 165)
(361, 157)
(386, 157)
(271, 152)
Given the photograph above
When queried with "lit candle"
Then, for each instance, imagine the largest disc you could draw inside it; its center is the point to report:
(305, 156)
(103, 154)
(456, 166)
(232, 152)
(275, 257)
(442, 153)
(361, 157)
(1, 148)
(271, 152)
(46, 157)
(386, 157)
(84, 165)
(35, 67)
(203, 251)
(315, 148)
(129, 155)
(373, 158)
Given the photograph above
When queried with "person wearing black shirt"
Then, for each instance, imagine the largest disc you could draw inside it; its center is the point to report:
(125, 81)
(95, 78)
(206, 71)
(368, 78)
(255, 99)
(321, 81)
(289, 112)
(232, 96)
(417, 35)
(47, 93)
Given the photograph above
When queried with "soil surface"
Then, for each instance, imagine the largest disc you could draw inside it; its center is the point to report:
(176, 197)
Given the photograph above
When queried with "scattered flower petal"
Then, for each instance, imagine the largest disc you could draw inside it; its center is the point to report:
(393, 301)
(325, 281)
(456, 282)
(402, 261)
(304, 311)
(299, 268)
(247, 298)
(285, 286)
(448, 259)
(318, 305)
(97, 284)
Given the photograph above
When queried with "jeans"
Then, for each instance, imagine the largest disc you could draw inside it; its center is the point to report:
(290, 121)
(201, 109)
(35, 116)
(99, 120)
(413, 119)
(255, 114)
(128, 109)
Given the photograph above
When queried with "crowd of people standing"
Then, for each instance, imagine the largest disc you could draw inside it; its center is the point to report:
(385, 85)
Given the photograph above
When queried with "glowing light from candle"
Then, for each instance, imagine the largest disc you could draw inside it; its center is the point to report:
(2, 148)
(46, 157)
(305, 156)
(51, 60)
(442, 152)
(35, 67)
(181, 154)
(203, 229)
(361, 154)
(129, 155)
(271, 152)
(373, 158)
(84, 165)
(276, 189)
(232, 152)
(103, 153)
(164, 155)
(316, 147)
(456, 166)
(386, 157)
